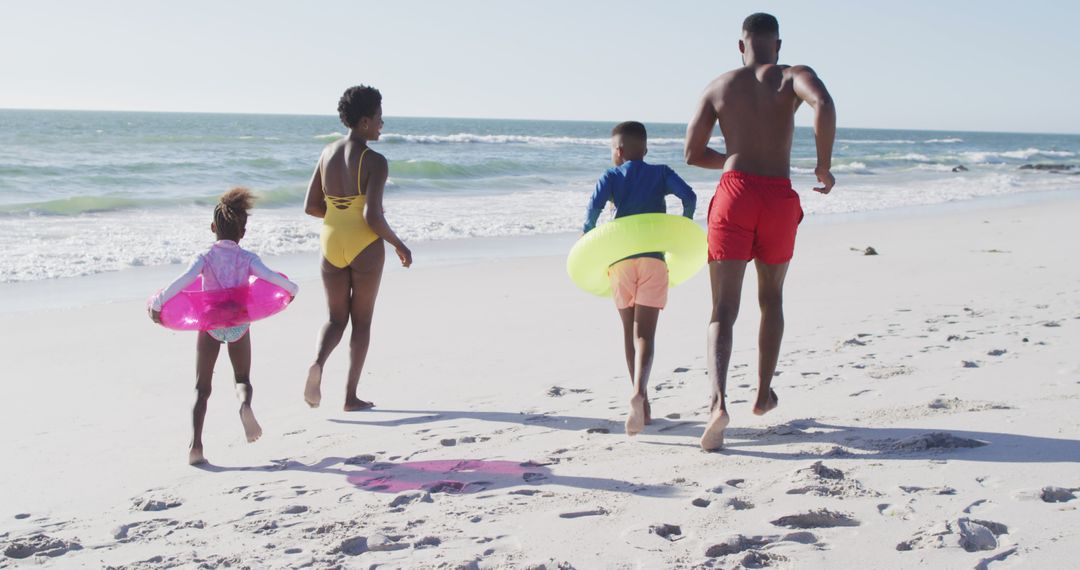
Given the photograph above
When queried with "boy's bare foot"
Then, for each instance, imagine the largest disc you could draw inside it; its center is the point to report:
(251, 427)
(195, 456)
(312, 393)
(713, 438)
(635, 421)
(355, 404)
(762, 408)
(648, 412)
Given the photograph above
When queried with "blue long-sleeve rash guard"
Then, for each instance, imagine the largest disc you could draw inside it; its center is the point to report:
(638, 188)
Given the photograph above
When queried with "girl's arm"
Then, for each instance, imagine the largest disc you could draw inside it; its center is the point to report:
(373, 207)
(315, 202)
(260, 270)
(177, 285)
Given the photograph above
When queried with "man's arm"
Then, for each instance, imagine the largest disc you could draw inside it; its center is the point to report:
(810, 88)
(698, 132)
(677, 186)
(597, 202)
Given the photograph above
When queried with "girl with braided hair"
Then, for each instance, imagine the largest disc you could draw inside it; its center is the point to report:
(224, 266)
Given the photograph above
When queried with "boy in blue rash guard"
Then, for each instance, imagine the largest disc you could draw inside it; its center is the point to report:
(639, 283)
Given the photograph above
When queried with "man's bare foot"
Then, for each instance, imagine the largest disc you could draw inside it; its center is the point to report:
(762, 408)
(251, 427)
(635, 421)
(355, 404)
(713, 438)
(195, 456)
(648, 412)
(312, 392)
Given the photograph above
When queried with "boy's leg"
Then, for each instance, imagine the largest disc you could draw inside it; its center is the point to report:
(627, 317)
(338, 285)
(644, 342)
(367, 271)
(726, 277)
(771, 299)
(206, 353)
(240, 355)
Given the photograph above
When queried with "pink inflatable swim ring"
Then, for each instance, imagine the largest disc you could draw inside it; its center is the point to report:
(196, 310)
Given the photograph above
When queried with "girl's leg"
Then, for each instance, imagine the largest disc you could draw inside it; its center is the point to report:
(338, 284)
(206, 353)
(366, 276)
(240, 355)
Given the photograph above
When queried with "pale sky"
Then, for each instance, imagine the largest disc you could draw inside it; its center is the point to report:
(986, 66)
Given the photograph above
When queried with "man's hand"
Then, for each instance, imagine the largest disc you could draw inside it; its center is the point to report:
(404, 255)
(826, 179)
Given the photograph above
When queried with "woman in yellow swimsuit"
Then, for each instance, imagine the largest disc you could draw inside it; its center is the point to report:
(346, 191)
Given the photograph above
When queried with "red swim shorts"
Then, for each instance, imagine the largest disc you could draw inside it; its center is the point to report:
(753, 216)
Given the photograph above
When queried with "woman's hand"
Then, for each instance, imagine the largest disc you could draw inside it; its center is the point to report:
(404, 255)
(154, 315)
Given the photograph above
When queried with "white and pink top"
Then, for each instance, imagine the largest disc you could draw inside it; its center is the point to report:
(226, 265)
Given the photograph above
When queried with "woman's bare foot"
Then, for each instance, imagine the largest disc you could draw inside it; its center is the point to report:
(635, 421)
(713, 438)
(312, 392)
(762, 408)
(252, 430)
(195, 456)
(648, 412)
(355, 404)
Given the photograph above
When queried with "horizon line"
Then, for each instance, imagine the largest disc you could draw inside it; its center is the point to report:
(284, 114)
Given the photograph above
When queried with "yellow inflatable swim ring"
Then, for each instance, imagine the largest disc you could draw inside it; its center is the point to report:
(682, 241)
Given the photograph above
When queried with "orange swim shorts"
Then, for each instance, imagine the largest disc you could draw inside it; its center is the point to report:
(639, 281)
(753, 217)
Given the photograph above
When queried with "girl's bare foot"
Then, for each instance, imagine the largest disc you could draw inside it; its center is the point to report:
(251, 427)
(713, 438)
(648, 413)
(635, 421)
(312, 392)
(355, 404)
(762, 408)
(195, 456)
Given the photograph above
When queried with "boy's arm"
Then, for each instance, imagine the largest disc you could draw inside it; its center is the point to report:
(260, 270)
(677, 186)
(597, 202)
(177, 285)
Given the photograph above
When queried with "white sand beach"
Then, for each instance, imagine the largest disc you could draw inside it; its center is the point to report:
(927, 418)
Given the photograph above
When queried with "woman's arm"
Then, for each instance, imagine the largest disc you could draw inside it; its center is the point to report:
(315, 202)
(373, 206)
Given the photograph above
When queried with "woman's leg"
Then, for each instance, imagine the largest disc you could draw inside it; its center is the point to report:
(240, 355)
(366, 276)
(206, 353)
(338, 285)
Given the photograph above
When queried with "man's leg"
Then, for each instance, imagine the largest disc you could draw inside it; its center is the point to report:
(206, 353)
(726, 277)
(771, 299)
(240, 355)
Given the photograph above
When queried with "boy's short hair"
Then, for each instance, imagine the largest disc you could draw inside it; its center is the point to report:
(631, 129)
(357, 102)
(761, 23)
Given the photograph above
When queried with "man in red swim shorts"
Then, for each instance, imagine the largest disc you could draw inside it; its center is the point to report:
(755, 212)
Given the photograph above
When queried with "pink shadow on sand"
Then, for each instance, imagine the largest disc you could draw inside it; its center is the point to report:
(446, 476)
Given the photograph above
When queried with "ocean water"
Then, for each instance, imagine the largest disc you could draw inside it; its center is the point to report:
(90, 192)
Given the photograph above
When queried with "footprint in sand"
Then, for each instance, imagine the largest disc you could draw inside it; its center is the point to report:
(972, 535)
(38, 545)
(737, 504)
(821, 518)
(823, 481)
(701, 502)
(580, 514)
(738, 543)
(155, 503)
(1057, 494)
(934, 441)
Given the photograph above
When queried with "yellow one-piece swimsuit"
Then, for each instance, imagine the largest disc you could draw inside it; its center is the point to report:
(345, 233)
